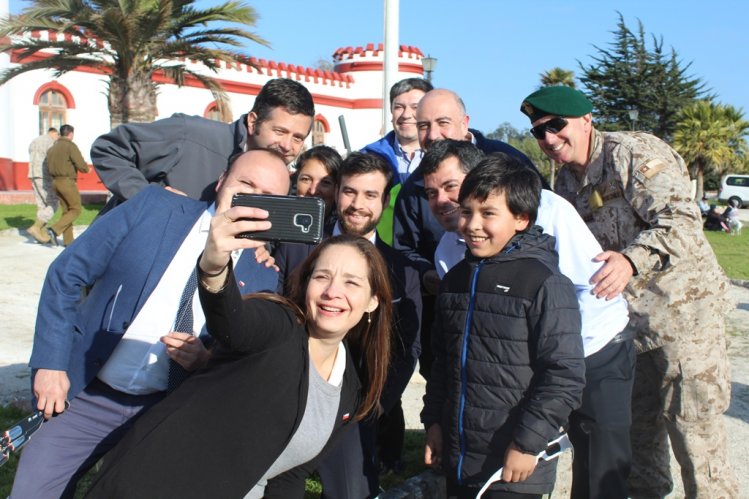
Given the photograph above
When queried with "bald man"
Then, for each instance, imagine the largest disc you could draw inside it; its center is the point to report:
(113, 354)
(441, 114)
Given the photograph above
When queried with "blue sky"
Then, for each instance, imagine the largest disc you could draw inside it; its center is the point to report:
(492, 51)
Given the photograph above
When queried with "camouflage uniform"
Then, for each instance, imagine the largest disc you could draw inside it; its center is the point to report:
(41, 182)
(634, 196)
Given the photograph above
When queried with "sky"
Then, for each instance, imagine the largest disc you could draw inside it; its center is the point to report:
(492, 52)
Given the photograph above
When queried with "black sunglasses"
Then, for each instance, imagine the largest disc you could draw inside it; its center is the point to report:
(554, 125)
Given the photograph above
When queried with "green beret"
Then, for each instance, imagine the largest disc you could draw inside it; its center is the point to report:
(558, 100)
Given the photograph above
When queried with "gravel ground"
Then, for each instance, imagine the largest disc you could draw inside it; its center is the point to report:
(25, 263)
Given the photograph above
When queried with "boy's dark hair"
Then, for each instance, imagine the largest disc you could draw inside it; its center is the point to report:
(359, 163)
(468, 155)
(326, 155)
(500, 173)
(66, 130)
(285, 93)
(407, 85)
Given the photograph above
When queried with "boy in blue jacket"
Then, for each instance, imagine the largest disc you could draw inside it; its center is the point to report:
(508, 358)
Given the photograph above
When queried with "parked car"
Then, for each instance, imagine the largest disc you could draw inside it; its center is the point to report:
(735, 187)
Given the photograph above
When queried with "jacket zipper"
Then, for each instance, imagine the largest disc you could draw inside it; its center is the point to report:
(463, 380)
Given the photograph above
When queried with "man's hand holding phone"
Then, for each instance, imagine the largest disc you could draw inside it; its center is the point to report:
(222, 236)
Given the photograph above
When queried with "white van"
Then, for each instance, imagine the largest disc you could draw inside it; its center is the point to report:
(735, 187)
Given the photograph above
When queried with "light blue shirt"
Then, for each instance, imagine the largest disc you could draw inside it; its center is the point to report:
(576, 245)
(406, 164)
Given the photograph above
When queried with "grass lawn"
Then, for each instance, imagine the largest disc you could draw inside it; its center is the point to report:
(732, 252)
(22, 216)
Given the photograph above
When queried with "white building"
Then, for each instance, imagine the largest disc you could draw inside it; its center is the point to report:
(34, 101)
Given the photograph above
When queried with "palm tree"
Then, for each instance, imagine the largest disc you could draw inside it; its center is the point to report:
(130, 41)
(710, 135)
(558, 76)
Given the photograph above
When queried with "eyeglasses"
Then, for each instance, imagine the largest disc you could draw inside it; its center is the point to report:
(554, 125)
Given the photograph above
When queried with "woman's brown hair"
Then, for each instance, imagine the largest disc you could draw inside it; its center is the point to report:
(369, 342)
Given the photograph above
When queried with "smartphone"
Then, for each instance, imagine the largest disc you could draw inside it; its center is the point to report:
(293, 219)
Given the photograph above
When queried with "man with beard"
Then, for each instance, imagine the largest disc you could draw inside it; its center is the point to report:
(364, 180)
(188, 153)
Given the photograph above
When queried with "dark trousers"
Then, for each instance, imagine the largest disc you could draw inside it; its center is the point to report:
(455, 491)
(599, 429)
(349, 470)
(391, 430)
(70, 204)
(428, 303)
(66, 446)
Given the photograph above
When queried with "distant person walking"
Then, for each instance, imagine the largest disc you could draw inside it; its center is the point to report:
(64, 161)
(41, 184)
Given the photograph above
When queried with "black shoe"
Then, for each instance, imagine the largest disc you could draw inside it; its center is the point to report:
(53, 237)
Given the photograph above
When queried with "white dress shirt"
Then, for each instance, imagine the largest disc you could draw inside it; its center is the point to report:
(139, 363)
(576, 245)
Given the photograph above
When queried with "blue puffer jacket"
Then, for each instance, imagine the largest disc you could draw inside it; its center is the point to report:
(508, 361)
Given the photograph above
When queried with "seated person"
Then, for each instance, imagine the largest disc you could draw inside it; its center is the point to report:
(508, 357)
(731, 217)
(704, 207)
(714, 220)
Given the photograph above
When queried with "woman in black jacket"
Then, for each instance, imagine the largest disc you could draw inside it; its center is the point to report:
(282, 385)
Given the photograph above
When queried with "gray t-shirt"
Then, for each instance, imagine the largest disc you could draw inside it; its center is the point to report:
(323, 400)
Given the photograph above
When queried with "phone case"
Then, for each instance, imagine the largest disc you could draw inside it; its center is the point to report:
(294, 219)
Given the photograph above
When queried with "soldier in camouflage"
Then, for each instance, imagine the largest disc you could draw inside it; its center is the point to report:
(633, 191)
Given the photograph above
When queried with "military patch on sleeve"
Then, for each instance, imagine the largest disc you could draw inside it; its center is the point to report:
(647, 170)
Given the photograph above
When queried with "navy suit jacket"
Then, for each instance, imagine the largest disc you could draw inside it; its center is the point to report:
(121, 257)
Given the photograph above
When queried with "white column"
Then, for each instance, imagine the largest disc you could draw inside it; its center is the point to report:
(6, 117)
(390, 69)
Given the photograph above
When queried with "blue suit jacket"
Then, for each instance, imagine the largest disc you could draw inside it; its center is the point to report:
(121, 257)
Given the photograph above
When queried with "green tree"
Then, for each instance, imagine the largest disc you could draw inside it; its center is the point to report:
(558, 76)
(711, 138)
(631, 76)
(525, 143)
(130, 41)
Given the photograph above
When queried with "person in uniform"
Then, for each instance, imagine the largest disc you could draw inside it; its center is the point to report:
(41, 184)
(64, 161)
(633, 191)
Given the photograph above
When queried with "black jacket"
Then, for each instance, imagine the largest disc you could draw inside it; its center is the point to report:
(508, 361)
(416, 232)
(221, 430)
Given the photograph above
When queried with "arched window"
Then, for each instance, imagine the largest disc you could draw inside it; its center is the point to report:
(318, 133)
(52, 110)
(212, 112)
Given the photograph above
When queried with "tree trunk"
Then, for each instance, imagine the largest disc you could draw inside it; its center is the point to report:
(700, 191)
(131, 99)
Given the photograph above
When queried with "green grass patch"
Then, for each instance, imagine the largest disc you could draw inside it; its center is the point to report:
(731, 252)
(8, 416)
(22, 216)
